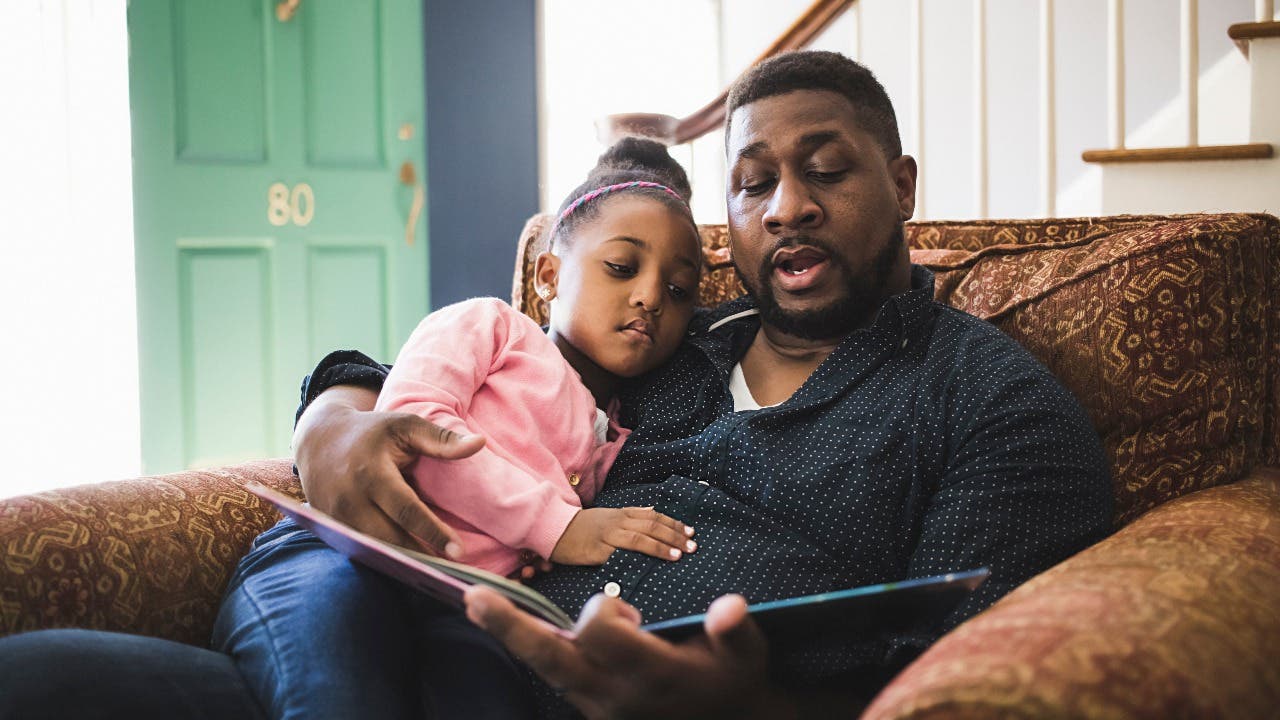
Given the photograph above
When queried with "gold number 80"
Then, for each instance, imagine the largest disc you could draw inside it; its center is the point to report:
(283, 205)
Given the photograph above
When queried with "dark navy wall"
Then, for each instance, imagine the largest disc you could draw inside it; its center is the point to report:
(482, 142)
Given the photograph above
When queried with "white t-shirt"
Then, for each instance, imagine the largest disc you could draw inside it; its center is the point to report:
(742, 398)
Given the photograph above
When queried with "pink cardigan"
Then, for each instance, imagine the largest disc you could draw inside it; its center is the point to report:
(481, 367)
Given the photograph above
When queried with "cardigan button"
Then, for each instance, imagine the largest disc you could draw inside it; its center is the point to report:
(574, 479)
(612, 589)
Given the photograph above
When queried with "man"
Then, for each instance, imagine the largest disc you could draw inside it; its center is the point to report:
(834, 428)
(898, 438)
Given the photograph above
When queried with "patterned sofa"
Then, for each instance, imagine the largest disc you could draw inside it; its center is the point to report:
(1166, 328)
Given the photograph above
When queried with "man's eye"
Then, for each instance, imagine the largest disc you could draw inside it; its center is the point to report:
(620, 269)
(830, 176)
(754, 187)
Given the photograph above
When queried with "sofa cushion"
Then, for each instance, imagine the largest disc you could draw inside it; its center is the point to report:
(149, 556)
(1173, 616)
(1158, 325)
(1161, 325)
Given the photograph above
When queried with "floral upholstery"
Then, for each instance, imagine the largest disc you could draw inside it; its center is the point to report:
(1175, 616)
(150, 555)
(1166, 328)
(1160, 329)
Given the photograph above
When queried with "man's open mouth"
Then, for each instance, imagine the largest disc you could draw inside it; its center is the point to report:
(797, 260)
(800, 269)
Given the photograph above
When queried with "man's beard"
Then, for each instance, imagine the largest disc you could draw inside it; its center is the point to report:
(864, 292)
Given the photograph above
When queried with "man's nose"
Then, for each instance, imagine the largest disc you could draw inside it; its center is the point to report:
(791, 207)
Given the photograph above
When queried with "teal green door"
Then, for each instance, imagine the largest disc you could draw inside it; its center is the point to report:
(278, 169)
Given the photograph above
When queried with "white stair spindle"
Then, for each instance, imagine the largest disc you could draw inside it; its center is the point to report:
(980, 107)
(1115, 63)
(1191, 69)
(856, 11)
(917, 92)
(1048, 119)
(1264, 10)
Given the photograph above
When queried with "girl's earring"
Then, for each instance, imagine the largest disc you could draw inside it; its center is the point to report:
(544, 292)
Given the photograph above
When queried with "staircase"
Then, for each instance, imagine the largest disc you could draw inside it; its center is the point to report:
(1164, 164)
(1194, 177)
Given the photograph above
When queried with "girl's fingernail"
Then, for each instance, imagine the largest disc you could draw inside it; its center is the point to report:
(675, 554)
(688, 531)
(452, 550)
(691, 546)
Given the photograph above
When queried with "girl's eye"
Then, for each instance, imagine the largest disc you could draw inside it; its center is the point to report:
(625, 270)
(678, 292)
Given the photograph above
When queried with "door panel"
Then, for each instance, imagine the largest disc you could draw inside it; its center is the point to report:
(226, 322)
(344, 320)
(270, 218)
(219, 89)
(342, 81)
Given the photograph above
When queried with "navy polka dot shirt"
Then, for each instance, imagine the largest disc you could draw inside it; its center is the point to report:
(927, 443)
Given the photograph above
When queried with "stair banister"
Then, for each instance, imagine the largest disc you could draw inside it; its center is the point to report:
(676, 131)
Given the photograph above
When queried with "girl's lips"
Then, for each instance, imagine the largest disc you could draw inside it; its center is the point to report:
(639, 330)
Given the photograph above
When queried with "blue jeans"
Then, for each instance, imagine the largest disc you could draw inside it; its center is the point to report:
(93, 675)
(302, 633)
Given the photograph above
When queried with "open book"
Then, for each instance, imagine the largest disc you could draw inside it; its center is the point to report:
(863, 611)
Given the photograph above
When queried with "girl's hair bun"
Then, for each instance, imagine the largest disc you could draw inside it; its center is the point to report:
(641, 162)
(643, 157)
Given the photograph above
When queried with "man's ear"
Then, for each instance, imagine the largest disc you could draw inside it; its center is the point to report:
(903, 171)
(546, 271)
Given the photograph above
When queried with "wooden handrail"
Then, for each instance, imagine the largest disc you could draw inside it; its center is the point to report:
(1252, 151)
(1253, 30)
(676, 131)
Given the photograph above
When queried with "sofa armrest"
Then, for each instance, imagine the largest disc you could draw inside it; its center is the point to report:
(150, 555)
(1173, 616)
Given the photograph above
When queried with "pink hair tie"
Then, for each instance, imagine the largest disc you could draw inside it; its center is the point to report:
(614, 188)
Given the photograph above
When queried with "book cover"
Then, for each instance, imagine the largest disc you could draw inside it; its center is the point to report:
(862, 611)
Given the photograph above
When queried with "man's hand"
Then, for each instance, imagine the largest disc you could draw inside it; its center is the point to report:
(350, 460)
(614, 669)
(594, 533)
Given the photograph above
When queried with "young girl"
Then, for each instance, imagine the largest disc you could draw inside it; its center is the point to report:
(621, 275)
(621, 272)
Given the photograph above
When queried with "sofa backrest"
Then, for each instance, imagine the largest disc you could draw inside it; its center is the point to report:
(1167, 328)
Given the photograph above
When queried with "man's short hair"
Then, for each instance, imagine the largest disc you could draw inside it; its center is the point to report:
(821, 70)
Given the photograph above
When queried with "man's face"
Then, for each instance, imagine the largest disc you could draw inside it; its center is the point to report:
(816, 213)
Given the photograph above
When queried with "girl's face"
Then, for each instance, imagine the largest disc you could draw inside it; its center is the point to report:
(624, 287)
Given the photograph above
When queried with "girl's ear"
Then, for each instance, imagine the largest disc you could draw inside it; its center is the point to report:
(546, 270)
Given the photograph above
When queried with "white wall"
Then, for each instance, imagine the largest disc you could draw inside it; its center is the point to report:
(68, 363)
(600, 58)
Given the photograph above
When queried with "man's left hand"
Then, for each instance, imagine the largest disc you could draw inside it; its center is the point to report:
(612, 668)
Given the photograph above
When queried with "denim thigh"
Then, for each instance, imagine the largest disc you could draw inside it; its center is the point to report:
(317, 636)
(466, 672)
(89, 674)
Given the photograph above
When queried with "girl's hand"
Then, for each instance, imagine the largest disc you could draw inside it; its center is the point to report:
(594, 533)
(533, 570)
